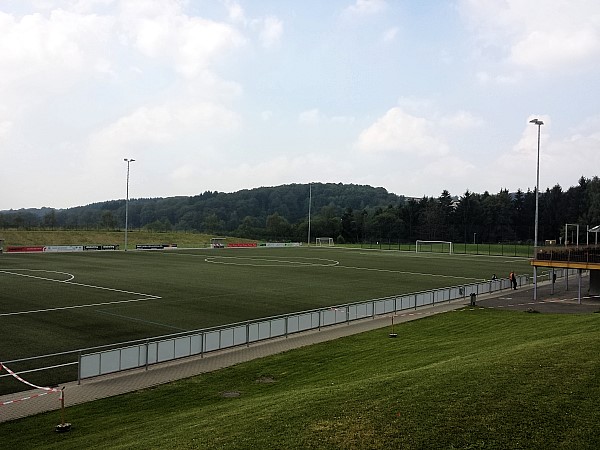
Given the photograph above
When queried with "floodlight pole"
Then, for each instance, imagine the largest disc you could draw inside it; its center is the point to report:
(128, 161)
(539, 124)
(309, 206)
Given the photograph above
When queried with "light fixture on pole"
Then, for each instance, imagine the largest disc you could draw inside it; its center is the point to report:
(539, 124)
(128, 161)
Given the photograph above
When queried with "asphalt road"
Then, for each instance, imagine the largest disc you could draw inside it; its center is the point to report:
(562, 298)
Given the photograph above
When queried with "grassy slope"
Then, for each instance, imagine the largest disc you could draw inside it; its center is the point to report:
(17, 237)
(467, 379)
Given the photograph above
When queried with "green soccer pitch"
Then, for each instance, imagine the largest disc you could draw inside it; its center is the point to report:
(59, 302)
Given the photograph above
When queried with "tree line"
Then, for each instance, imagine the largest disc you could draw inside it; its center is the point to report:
(349, 213)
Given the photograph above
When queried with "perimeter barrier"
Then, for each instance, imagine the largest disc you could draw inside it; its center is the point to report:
(137, 354)
(107, 359)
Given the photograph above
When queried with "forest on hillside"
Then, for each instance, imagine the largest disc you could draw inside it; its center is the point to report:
(346, 212)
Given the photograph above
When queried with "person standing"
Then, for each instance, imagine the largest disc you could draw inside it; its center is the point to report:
(513, 280)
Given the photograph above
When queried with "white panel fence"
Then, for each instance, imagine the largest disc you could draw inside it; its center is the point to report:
(136, 354)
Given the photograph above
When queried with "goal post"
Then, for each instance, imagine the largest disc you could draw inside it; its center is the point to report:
(434, 246)
(324, 242)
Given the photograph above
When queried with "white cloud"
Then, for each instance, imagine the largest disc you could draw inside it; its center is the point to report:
(417, 105)
(400, 132)
(311, 117)
(567, 46)
(281, 169)
(5, 129)
(271, 33)
(487, 78)
(191, 44)
(367, 7)
(315, 117)
(236, 12)
(56, 47)
(164, 125)
(557, 34)
(462, 120)
(342, 120)
(390, 34)
(566, 158)
(448, 168)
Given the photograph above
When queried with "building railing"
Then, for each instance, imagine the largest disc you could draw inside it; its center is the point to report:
(586, 254)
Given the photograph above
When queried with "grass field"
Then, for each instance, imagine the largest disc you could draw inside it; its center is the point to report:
(56, 302)
(469, 379)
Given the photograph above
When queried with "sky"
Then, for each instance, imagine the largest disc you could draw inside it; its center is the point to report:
(416, 97)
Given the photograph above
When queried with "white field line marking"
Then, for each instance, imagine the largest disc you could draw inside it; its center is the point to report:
(74, 283)
(61, 308)
(134, 319)
(219, 260)
(334, 263)
(409, 273)
(215, 259)
(71, 276)
(427, 255)
(145, 296)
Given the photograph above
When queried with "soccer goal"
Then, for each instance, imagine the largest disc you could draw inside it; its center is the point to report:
(434, 246)
(324, 242)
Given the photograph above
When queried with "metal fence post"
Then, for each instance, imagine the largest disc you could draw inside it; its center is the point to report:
(147, 352)
(79, 368)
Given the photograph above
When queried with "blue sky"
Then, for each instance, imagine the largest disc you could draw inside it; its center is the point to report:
(223, 95)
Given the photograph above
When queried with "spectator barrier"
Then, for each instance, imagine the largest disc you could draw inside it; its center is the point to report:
(136, 354)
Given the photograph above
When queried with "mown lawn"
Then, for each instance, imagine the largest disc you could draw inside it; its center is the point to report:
(473, 378)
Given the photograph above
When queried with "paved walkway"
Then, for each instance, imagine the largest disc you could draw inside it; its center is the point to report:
(129, 381)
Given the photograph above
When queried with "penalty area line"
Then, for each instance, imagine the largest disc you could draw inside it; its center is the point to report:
(63, 308)
(409, 273)
(135, 319)
(73, 282)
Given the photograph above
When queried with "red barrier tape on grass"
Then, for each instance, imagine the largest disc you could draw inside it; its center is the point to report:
(46, 390)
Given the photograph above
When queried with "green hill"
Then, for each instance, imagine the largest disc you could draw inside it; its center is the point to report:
(470, 379)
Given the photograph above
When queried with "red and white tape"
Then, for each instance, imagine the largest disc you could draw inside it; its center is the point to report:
(46, 390)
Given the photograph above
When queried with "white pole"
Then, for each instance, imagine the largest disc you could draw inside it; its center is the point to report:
(128, 161)
(539, 124)
(309, 206)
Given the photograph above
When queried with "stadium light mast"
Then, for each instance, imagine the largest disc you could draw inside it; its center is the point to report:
(128, 161)
(539, 124)
(309, 206)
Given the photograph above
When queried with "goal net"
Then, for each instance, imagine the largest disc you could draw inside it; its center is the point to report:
(434, 246)
(324, 242)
